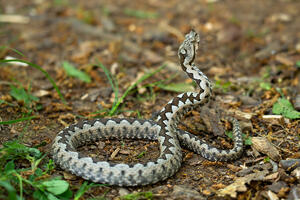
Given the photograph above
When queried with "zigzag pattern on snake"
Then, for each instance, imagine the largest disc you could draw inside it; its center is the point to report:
(164, 130)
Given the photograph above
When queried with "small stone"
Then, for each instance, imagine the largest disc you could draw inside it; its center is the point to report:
(243, 115)
(101, 145)
(294, 193)
(297, 102)
(276, 187)
(206, 192)
(160, 189)
(234, 168)
(123, 192)
(291, 163)
(183, 192)
(296, 173)
(42, 93)
(280, 17)
(272, 196)
(268, 51)
(246, 100)
(284, 60)
(272, 176)
(69, 176)
(124, 152)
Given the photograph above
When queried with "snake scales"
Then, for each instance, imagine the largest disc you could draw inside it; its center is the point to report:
(164, 130)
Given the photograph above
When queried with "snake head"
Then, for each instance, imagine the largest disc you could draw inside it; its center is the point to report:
(186, 51)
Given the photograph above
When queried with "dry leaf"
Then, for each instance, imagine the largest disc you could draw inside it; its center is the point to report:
(263, 145)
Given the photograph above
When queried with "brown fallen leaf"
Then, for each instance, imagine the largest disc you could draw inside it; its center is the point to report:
(240, 184)
(263, 145)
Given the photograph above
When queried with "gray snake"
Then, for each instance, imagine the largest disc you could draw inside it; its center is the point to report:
(164, 130)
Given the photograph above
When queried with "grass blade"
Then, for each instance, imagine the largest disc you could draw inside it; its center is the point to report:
(15, 50)
(43, 71)
(113, 83)
(74, 72)
(144, 77)
(18, 120)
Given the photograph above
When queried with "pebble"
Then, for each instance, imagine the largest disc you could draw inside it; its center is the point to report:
(297, 102)
(276, 186)
(296, 173)
(123, 192)
(272, 196)
(101, 145)
(183, 192)
(268, 51)
(69, 176)
(286, 164)
(294, 193)
(246, 100)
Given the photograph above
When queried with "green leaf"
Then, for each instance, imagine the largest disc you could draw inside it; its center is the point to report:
(298, 63)
(5, 102)
(177, 87)
(229, 134)
(224, 86)
(265, 86)
(21, 95)
(15, 50)
(138, 195)
(140, 14)
(131, 87)
(247, 139)
(285, 108)
(13, 150)
(41, 70)
(10, 166)
(12, 195)
(51, 197)
(66, 195)
(56, 187)
(38, 172)
(39, 195)
(141, 154)
(267, 159)
(17, 120)
(83, 188)
(72, 71)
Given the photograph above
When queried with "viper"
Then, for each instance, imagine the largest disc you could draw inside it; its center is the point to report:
(164, 129)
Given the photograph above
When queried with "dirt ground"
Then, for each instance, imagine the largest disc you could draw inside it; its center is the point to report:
(249, 49)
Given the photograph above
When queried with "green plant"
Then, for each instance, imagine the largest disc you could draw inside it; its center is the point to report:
(72, 71)
(17, 120)
(224, 86)
(21, 95)
(298, 64)
(41, 70)
(285, 108)
(115, 87)
(85, 187)
(141, 14)
(265, 85)
(267, 159)
(26, 179)
(141, 154)
(138, 195)
(247, 139)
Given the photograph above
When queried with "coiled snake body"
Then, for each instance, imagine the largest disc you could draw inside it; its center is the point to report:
(164, 130)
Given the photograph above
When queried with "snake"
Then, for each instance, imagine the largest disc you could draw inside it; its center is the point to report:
(164, 130)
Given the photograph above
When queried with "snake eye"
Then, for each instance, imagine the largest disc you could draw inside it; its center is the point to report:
(183, 51)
